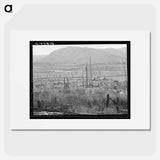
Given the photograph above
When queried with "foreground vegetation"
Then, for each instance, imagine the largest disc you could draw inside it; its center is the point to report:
(79, 101)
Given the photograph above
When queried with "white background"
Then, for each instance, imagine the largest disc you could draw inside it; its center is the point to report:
(19, 80)
(89, 145)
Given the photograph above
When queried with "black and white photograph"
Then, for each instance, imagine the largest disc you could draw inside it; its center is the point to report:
(80, 79)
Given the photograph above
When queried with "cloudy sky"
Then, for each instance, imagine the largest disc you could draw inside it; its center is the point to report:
(47, 49)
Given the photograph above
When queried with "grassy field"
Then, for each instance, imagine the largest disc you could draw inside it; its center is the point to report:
(66, 90)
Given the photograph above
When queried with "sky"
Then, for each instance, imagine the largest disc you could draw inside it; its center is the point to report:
(47, 49)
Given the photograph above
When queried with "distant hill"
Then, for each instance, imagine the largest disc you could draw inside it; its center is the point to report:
(121, 52)
(81, 55)
(124, 49)
(38, 57)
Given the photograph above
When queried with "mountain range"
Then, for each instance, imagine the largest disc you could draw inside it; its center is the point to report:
(81, 55)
